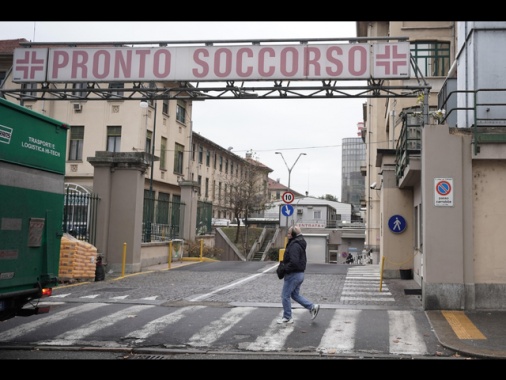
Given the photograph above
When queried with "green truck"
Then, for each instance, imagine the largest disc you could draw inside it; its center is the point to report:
(32, 170)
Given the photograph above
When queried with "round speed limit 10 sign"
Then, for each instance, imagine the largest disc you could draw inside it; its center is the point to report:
(288, 197)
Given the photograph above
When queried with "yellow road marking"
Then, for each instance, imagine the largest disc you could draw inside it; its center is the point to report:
(462, 325)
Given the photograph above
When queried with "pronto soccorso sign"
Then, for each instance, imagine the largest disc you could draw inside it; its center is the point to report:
(357, 61)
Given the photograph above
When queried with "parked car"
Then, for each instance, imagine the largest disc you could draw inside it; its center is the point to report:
(220, 222)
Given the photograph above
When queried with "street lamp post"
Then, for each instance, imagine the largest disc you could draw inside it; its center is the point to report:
(289, 175)
(147, 237)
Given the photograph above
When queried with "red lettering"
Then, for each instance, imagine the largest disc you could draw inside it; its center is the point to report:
(285, 61)
(357, 60)
(227, 62)
(79, 61)
(313, 55)
(142, 62)
(161, 65)
(331, 53)
(262, 69)
(60, 60)
(240, 71)
(205, 67)
(122, 64)
(101, 64)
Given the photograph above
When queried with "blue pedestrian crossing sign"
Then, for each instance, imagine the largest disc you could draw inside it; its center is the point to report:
(397, 224)
(287, 210)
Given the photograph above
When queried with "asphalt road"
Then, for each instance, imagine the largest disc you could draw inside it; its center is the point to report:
(223, 310)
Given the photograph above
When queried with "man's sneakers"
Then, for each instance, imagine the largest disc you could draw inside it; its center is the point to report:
(314, 311)
(285, 321)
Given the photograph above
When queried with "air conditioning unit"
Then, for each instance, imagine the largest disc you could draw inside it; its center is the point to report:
(78, 107)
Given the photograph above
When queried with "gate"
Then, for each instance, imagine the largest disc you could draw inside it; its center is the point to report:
(204, 217)
(80, 214)
(162, 219)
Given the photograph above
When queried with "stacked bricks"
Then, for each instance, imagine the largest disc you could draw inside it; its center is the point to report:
(77, 259)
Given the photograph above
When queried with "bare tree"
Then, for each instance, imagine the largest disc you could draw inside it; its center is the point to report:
(249, 193)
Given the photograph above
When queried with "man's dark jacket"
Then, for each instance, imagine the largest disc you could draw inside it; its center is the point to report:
(295, 255)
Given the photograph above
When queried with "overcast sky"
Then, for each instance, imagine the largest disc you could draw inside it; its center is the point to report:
(292, 126)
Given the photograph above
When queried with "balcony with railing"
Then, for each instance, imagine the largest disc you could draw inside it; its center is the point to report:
(408, 149)
(484, 114)
(484, 111)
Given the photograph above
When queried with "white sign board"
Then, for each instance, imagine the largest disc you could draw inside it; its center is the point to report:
(443, 192)
(387, 60)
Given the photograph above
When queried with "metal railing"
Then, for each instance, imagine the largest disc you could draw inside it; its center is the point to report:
(166, 220)
(80, 215)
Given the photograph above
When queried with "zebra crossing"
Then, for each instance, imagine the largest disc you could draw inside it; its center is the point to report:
(250, 329)
(363, 284)
(93, 320)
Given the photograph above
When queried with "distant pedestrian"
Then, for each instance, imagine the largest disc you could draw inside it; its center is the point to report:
(295, 265)
(349, 259)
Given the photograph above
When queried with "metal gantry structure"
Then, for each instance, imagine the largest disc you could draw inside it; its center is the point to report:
(227, 90)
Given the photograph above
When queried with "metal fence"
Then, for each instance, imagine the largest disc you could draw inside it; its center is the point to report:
(80, 215)
(162, 220)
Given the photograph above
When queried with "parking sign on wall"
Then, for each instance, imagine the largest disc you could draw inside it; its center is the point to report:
(443, 192)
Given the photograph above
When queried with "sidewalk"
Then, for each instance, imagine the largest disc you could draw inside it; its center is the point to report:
(478, 333)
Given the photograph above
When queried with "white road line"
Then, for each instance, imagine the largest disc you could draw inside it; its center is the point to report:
(72, 337)
(339, 336)
(404, 336)
(53, 318)
(234, 284)
(275, 337)
(158, 324)
(215, 329)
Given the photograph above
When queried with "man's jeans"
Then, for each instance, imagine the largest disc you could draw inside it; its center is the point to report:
(291, 287)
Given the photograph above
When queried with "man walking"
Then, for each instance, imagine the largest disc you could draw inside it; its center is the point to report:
(295, 261)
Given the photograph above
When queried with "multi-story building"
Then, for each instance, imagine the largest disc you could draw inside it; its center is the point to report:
(219, 172)
(352, 180)
(435, 165)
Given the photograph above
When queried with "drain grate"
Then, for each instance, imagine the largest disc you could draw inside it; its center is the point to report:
(413, 292)
(149, 357)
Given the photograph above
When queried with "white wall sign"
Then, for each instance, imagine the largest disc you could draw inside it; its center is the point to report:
(443, 192)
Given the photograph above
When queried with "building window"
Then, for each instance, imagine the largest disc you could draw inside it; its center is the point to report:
(116, 89)
(149, 138)
(207, 188)
(193, 152)
(3, 74)
(27, 94)
(226, 166)
(199, 181)
(79, 87)
(317, 214)
(165, 106)
(208, 158)
(76, 143)
(431, 57)
(221, 163)
(201, 154)
(178, 158)
(113, 138)
(180, 113)
(163, 154)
